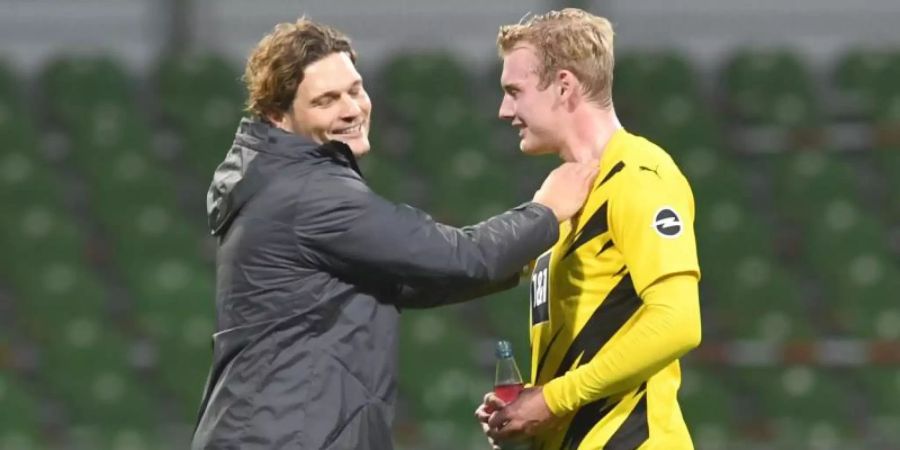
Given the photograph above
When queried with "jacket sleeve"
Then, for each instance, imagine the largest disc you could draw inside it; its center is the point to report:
(343, 226)
(429, 295)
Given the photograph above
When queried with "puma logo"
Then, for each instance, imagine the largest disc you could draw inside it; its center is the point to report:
(654, 170)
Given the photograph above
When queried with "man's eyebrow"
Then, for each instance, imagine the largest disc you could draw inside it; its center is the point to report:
(328, 94)
(335, 93)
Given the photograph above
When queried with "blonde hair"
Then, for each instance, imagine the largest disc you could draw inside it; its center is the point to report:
(572, 40)
(275, 67)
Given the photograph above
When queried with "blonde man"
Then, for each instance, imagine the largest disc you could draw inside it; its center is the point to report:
(614, 303)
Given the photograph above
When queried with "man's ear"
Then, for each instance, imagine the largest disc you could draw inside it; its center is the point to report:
(567, 86)
(279, 120)
(275, 118)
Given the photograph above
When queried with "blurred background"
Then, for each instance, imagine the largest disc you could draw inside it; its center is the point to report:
(785, 116)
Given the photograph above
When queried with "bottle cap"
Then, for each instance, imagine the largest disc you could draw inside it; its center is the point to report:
(504, 349)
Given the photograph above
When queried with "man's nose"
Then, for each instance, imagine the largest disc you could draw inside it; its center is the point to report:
(351, 108)
(506, 111)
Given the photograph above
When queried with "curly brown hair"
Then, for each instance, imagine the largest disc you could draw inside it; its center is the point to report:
(275, 67)
(570, 39)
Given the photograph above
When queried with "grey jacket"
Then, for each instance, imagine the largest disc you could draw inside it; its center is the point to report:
(313, 269)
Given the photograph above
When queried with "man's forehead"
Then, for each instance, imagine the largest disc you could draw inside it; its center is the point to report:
(519, 63)
(335, 71)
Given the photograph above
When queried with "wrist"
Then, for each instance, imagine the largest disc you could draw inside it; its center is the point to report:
(548, 205)
(552, 392)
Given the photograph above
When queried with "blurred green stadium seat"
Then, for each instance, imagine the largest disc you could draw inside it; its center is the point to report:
(714, 177)
(202, 96)
(882, 388)
(508, 316)
(708, 406)
(110, 133)
(864, 303)
(130, 182)
(81, 89)
(185, 356)
(89, 369)
(38, 233)
(888, 160)
(25, 180)
(459, 128)
(409, 81)
(439, 372)
(807, 407)
(169, 291)
(729, 230)
(155, 232)
(679, 124)
(9, 86)
(839, 234)
(388, 176)
(866, 75)
(207, 84)
(762, 300)
(114, 438)
(55, 294)
(771, 87)
(807, 181)
(16, 128)
(645, 80)
(20, 415)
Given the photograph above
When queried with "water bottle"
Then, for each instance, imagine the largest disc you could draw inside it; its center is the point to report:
(508, 384)
(507, 380)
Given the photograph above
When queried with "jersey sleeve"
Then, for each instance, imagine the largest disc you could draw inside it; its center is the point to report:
(664, 330)
(651, 220)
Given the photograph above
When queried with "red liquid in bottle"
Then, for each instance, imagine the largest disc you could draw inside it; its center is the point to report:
(508, 392)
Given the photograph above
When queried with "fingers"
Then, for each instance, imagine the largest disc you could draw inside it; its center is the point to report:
(593, 170)
(587, 171)
(498, 419)
(511, 430)
(482, 414)
(493, 402)
(581, 170)
(490, 404)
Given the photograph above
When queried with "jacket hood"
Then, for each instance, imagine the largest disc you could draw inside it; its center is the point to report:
(239, 176)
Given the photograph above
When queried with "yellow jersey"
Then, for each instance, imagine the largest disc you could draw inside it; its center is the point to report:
(636, 228)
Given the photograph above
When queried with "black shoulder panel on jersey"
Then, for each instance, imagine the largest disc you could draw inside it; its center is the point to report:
(615, 169)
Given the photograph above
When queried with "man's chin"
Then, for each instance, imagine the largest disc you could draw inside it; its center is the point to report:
(359, 147)
(533, 150)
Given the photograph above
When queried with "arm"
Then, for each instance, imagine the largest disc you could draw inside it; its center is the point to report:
(350, 229)
(666, 328)
(440, 294)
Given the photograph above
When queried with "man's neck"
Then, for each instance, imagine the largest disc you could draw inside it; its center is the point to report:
(592, 128)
